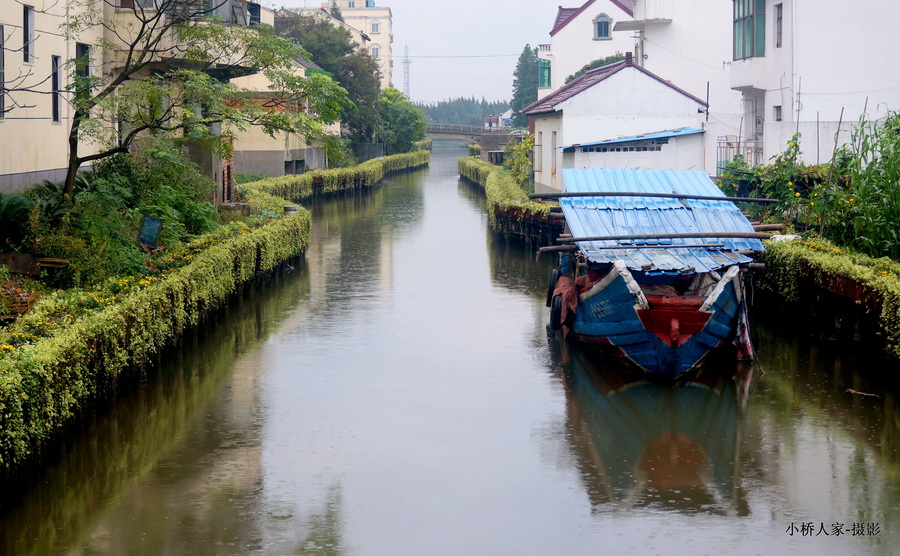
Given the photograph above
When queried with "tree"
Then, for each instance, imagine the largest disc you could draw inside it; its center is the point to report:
(402, 124)
(336, 11)
(332, 48)
(166, 71)
(525, 84)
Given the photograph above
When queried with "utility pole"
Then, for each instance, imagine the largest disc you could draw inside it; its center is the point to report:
(406, 63)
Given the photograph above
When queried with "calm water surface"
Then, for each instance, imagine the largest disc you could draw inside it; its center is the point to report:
(397, 394)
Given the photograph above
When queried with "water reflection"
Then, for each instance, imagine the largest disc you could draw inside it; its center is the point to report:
(640, 444)
(177, 463)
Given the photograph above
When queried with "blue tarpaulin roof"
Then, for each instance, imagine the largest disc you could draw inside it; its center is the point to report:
(627, 216)
(668, 134)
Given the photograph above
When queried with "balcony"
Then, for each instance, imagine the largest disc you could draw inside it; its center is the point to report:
(748, 74)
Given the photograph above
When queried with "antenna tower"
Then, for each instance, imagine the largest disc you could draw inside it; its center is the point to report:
(406, 63)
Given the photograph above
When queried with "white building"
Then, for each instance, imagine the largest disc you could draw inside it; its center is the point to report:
(614, 101)
(377, 23)
(794, 75)
(579, 36)
(679, 40)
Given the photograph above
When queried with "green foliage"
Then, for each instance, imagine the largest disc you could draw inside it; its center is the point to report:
(855, 201)
(525, 84)
(463, 111)
(332, 48)
(600, 62)
(298, 188)
(242, 177)
(402, 124)
(193, 99)
(798, 269)
(500, 188)
(14, 212)
(73, 347)
(517, 160)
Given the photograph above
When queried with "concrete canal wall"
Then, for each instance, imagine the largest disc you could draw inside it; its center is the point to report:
(510, 210)
(50, 383)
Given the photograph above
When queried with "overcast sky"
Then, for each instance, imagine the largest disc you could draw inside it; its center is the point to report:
(462, 48)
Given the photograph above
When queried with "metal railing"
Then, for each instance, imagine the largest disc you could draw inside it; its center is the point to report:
(730, 147)
(460, 129)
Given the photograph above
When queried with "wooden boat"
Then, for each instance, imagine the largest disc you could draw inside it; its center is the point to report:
(652, 272)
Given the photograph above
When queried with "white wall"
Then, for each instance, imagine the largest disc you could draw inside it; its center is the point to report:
(833, 65)
(574, 46)
(681, 153)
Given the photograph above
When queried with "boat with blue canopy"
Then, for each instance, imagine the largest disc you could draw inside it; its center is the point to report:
(650, 269)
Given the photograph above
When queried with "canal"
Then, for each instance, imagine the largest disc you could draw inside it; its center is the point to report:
(396, 393)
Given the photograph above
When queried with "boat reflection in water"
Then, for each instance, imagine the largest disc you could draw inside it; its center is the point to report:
(640, 444)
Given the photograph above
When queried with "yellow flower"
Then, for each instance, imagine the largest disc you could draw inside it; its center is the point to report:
(796, 194)
(791, 183)
(792, 144)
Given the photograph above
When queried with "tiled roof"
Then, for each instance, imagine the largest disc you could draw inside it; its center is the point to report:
(591, 78)
(582, 82)
(636, 215)
(564, 15)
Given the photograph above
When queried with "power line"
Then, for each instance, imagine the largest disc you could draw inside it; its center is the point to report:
(475, 56)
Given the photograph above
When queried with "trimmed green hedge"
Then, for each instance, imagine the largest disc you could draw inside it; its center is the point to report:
(500, 188)
(44, 384)
(300, 187)
(793, 268)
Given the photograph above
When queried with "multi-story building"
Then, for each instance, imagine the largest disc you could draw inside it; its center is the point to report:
(376, 23)
(578, 37)
(793, 76)
(676, 40)
(38, 61)
(35, 114)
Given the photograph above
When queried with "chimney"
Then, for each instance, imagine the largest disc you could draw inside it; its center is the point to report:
(628, 60)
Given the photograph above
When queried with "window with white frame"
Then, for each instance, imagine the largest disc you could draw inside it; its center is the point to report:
(602, 27)
(375, 27)
(351, 4)
(376, 52)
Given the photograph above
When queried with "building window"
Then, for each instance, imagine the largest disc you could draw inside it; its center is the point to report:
(538, 152)
(777, 113)
(376, 26)
(602, 26)
(749, 29)
(351, 4)
(376, 52)
(28, 34)
(2, 73)
(255, 14)
(779, 15)
(54, 86)
(543, 73)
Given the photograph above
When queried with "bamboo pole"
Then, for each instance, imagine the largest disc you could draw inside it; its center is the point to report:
(656, 195)
(745, 235)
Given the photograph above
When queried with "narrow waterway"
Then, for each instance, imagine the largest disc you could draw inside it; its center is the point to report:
(397, 394)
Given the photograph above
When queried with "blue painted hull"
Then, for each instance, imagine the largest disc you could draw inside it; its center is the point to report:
(609, 318)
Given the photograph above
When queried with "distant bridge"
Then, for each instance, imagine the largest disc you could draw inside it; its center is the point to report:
(470, 132)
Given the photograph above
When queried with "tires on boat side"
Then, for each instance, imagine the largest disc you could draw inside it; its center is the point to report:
(556, 312)
(554, 277)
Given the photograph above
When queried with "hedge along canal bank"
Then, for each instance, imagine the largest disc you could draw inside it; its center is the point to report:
(47, 385)
(511, 212)
(843, 295)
